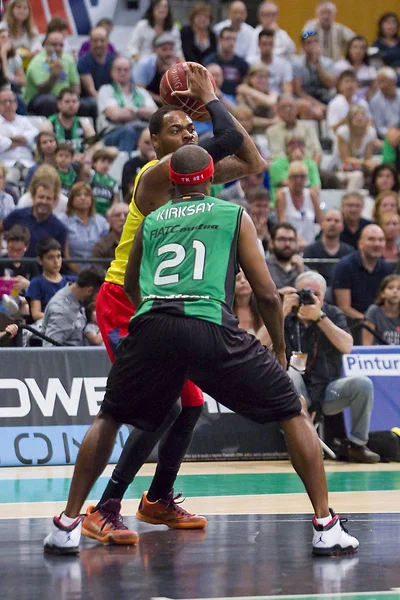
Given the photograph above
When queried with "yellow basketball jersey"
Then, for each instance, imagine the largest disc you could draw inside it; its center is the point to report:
(116, 271)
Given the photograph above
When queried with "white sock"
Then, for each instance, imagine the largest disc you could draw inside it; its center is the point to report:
(67, 521)
(324, 520)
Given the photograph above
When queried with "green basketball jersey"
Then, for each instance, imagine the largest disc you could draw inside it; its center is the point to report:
(189, 259)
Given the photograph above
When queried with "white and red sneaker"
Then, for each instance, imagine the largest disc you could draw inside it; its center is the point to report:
(62, 539)
(333, 539)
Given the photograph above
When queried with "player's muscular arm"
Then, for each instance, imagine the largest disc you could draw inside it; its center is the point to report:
(268, 301)
(131, 282)
(154, 187)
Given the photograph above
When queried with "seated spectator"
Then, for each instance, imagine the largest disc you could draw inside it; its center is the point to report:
(39, 219)
(105, 188)
(385, 105)
(332, 35)
(233, 66)
(229, 101)
(11, 63)
(64, 319)
(385, 202)
(354, 223)
(279, 170)
(324, 338)
(17, 136)
(66, 172)
(299, 205)
(384, 316)
(43, 287)
(280, 71)
(245, 309)
(23, 34)
(329, 244)
(123, 107)
(6, 201)
(237, 15)
(237, 193)
(156, 21)
(106, 24)
(284, 46)
(391, 148)
(258, 200)
(65, 124)
(388, 41)
(339, 106)
(145, 153)
(46, 146)
(48, 73)
(48, 174)
(198, 39)
(256, 95)
(289, 126)
(313, 78)
(84, 226)
(94, 68)
(357, 60)
(105, 247)
(389, 222)
(384, 178)
(284, 262)
(92, 331)
(356, 277)
(18, 238)
(60, 26)
(353, 152)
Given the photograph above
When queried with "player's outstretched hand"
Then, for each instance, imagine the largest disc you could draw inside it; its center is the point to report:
(199, 83)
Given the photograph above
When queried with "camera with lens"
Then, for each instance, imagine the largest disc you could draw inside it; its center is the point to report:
(305, 296)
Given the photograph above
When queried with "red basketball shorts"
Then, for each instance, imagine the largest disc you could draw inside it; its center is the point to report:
(114, 311)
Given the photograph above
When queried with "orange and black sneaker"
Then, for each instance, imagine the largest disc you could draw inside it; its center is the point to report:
(105, 525)
(168, 512)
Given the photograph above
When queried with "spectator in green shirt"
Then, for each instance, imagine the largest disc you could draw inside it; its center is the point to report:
(278, 174)
(391, 147)
(48, 73)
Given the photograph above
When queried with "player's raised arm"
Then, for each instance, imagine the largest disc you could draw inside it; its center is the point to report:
(268, 301)
(132, 274)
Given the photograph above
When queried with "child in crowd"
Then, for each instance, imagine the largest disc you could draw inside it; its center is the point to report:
(43, 287)
(105, 188)
(46, 146)
(66, 172)
(7, 204)
(92, 331)
(384, 315)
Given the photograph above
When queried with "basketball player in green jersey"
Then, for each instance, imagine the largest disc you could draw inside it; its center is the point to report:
(181, 276)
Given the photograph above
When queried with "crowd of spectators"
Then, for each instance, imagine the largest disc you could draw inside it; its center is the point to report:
(324, 110)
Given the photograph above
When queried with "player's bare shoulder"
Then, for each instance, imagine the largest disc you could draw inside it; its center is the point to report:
(154, 187)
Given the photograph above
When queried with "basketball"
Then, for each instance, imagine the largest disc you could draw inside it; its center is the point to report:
(175, 79)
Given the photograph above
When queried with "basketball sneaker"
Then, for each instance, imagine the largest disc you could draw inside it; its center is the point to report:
(63, 540)
(168, 512)
(333, 539)
(105, 525)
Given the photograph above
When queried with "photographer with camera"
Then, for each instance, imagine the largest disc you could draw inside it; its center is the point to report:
(316, 336)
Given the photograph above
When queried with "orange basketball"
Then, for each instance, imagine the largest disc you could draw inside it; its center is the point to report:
(174, 80)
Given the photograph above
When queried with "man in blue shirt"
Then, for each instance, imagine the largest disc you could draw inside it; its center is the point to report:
(150, 69)
(94, 67)
(233, 67)
(356, 278)
(39, 218)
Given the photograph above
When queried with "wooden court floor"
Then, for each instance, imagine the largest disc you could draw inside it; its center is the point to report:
(256, 545)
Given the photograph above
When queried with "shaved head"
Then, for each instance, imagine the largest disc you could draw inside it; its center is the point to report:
(190, 159)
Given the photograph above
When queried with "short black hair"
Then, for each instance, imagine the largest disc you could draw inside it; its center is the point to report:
(283, 225)
(190, 159)
(89, 278)
(228, 29)
(346, 73)
(65, 91)
(19, 233)
(266, 33)
(373, 188)
(385, 17)
(45, 245)
(157, 118)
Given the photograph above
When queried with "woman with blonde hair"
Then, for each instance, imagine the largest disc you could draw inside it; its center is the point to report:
(23, 34)
(49, 174)
(85, 227)
(390, 225)
(298, 205)
(198, 39)
(256, 95)
(385, 202)
(354, 148)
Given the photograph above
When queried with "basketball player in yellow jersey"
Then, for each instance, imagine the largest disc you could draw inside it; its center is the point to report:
(235, 156)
